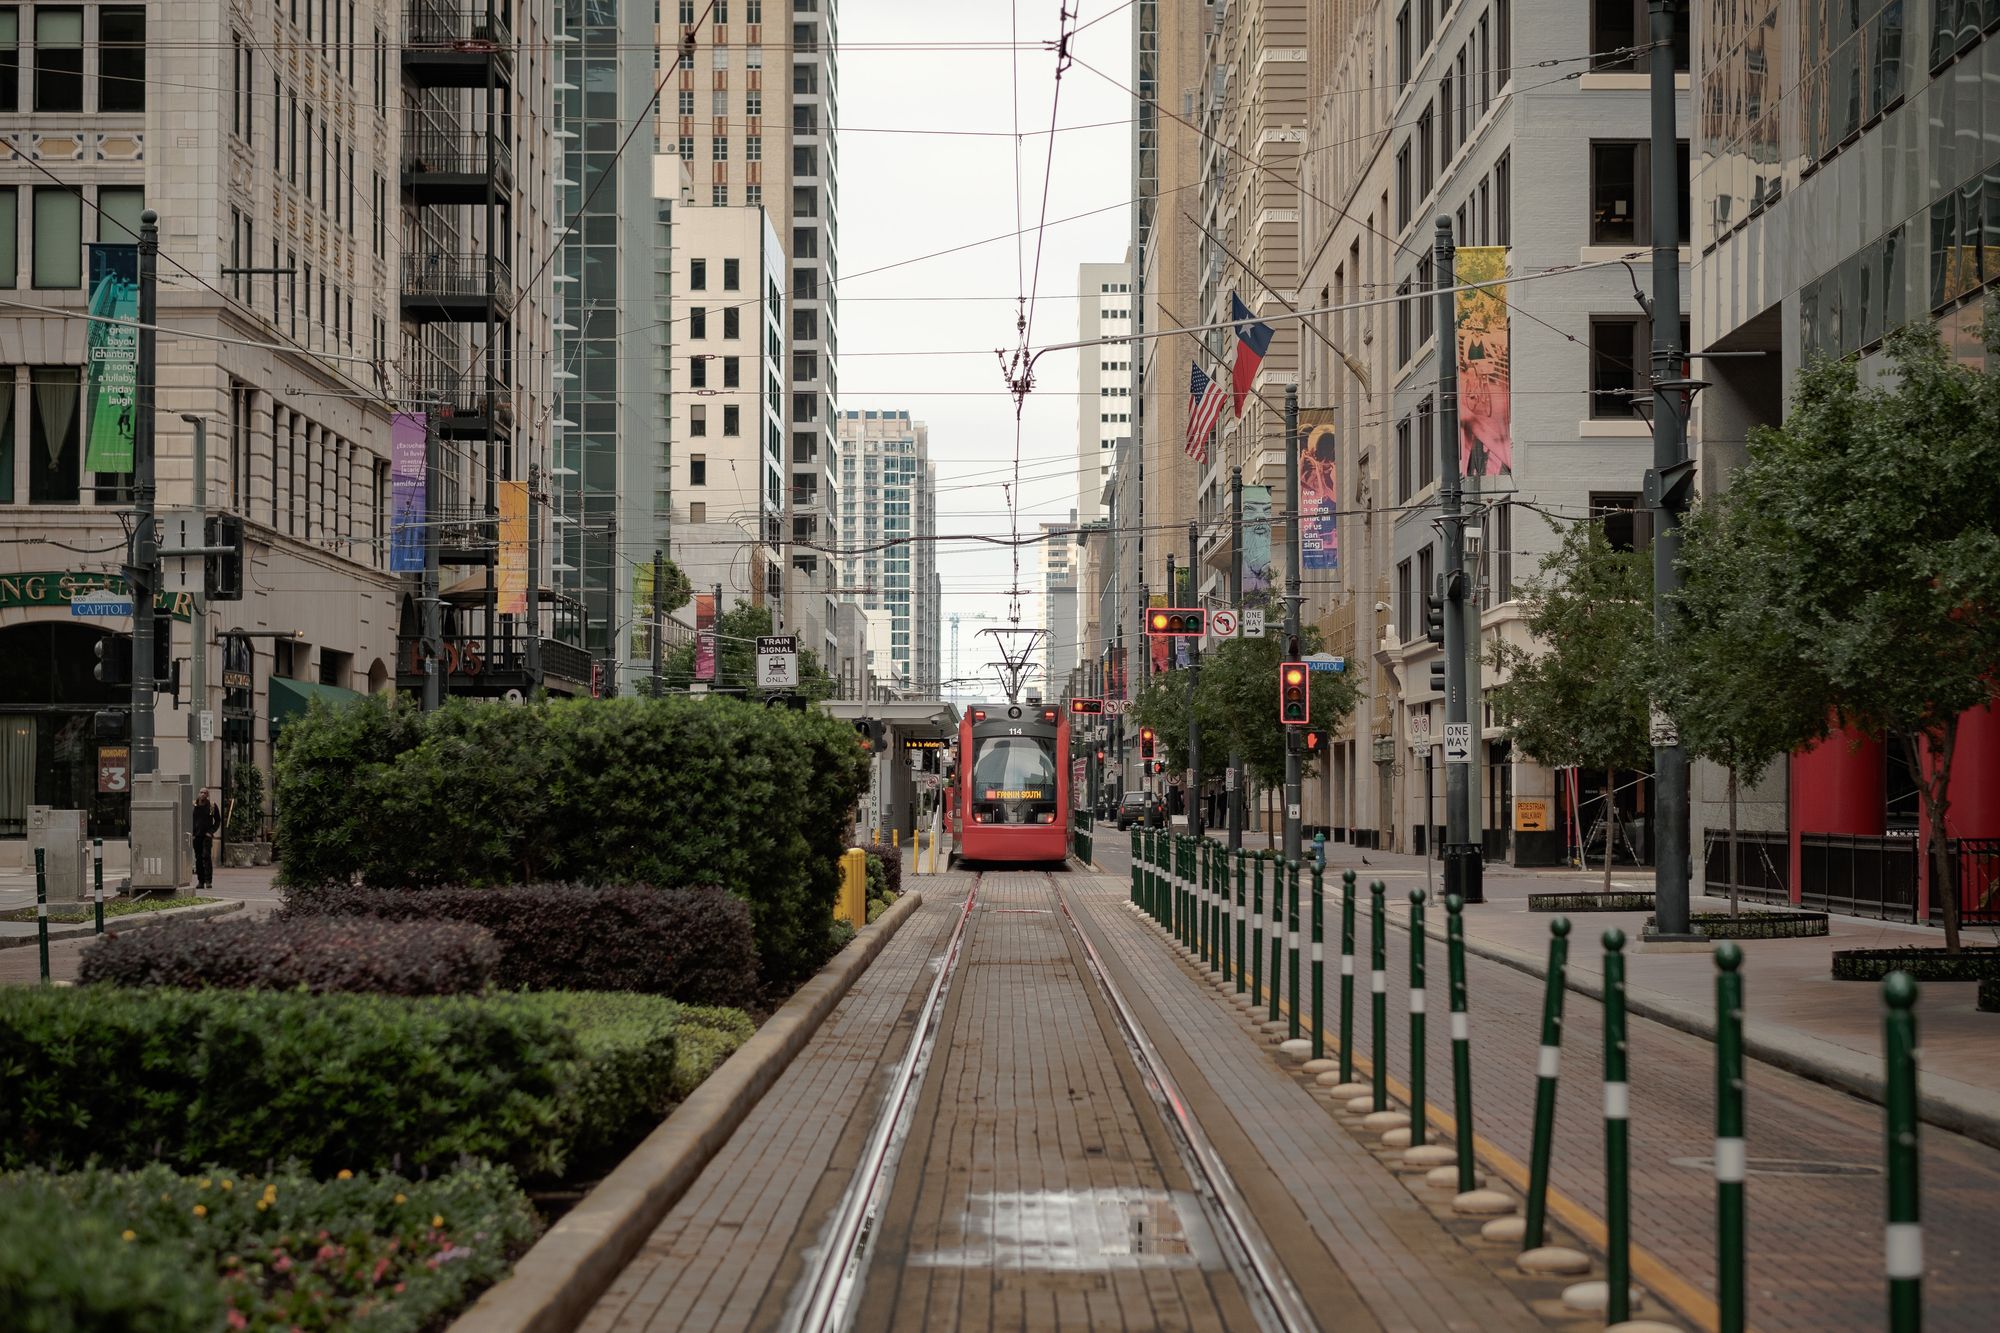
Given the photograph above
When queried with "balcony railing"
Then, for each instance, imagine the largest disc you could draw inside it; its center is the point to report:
(447, 150)
(455, 286)
(456, 398)
(450, 45)
(1763, 865)
(1859, 874)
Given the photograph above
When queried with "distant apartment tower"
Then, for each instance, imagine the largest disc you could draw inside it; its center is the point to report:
(888, 518)
(1060, 603)
(752, 116)
(1103, 378)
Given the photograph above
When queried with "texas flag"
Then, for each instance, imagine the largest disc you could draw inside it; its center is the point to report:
(1252, 341)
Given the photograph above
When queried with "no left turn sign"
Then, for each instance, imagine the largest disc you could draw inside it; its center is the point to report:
(1222, 624)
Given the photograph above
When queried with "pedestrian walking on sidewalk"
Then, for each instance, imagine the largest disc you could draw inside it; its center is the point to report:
(207, 820)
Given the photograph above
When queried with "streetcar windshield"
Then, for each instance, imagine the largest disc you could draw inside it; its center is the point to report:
(1014, 780)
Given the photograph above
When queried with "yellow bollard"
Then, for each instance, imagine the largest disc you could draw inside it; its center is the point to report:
(853, 905)
(896, 838)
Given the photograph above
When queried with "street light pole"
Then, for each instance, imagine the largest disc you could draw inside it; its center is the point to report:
(1672, 476)
(142, 571)
(1292, 599)
(198, 648)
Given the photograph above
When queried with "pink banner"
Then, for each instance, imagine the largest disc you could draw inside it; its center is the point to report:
(704, 639)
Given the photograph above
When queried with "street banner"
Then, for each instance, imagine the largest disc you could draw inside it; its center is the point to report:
(1319, 492)
(1114, 687)
(704, 637)
(111, 390)
(513, 547)
(407, 435)
(1485, 374)
(1256, 542)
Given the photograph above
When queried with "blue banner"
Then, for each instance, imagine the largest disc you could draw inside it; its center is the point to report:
(111, 390)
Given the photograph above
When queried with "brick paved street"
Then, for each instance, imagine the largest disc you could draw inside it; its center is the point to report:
(1816, 1203)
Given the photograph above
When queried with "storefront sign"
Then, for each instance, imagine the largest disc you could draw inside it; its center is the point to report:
(54, 588)
(114, 769)
(1531, 816)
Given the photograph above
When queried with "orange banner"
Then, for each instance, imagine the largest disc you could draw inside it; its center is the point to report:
(513, 547)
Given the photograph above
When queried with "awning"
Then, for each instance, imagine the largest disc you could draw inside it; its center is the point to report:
(290, 699)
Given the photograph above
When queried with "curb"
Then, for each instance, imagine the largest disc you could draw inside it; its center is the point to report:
(1945, 1103)
(555, 1284)
(132, 921)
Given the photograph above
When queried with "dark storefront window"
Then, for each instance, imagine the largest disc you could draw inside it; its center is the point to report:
(48, 743)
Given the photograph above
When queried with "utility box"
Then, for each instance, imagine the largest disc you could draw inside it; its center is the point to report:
(60, 836)
(162, 855)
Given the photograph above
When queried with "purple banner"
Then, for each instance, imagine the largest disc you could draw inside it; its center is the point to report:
(408, 433)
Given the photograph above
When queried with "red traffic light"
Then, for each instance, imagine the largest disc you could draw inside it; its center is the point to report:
(1294, 694)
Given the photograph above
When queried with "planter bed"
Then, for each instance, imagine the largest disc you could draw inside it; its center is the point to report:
(1755, 925)
(1592, 900)
(1932, 964)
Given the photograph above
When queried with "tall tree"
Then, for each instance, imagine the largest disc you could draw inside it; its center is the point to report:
(1736, 678)
(1872, 512)
(1580, 697)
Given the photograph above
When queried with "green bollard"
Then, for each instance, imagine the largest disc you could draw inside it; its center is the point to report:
(1378, 984)
(1903, 1242)
(1257, 929)
(42, 907)
(1226, 915)
(1546, 1062)
(1292, 942)
(1214, 913)
(97, 871)
(1319, 965)
(1617, 1112)
(1347, 976)
(1461, 1040)
(1138, 898)
(1417, 1057)
(1731, 1160)
(1242, 925)
(1277, 933)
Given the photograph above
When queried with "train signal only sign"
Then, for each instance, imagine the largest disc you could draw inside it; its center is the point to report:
(777, 662)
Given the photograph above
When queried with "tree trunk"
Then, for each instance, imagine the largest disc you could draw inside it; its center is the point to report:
(1936, 791)
(1732, 842)
(1610, 820)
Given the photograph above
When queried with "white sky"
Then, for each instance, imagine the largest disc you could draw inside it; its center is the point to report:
(905, 195)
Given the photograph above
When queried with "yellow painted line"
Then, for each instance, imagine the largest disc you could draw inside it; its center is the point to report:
(1693, 1304)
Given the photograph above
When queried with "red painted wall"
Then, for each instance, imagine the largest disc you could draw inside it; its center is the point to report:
(1836, 786)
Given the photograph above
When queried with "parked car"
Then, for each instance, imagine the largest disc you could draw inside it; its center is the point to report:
(1138, 807)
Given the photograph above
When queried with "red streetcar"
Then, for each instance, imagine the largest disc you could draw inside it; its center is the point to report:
(1012, 785)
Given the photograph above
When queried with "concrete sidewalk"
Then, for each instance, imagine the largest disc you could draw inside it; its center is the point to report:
(21, 966)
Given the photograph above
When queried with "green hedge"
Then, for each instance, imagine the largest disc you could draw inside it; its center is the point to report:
(151, 1251)
(1923, 964)
(676, 791)
(367, 1083)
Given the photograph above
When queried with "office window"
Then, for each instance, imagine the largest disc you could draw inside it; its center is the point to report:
(1496, 555)
(698, 469)
(1486, 63)
(718, 195)
(718, 148)
(698, 321)
(687, 102)
(121, 58)
(1405, 323)
(697, 275)
(10, 63)
(732, 275)
(291, 138)
(732, 372)
(1426, 305)
(718, 102)
(1446, 110)
(753, 194)
(10, 264)
(1621, 352)
(697, 372)
(687, 147)
(732, 321)
(58, 241)
(1503, 199)
(1627, 526)
(1621, 192)
(1427, 454)
(118, 210)
(732, 419)
(753, 148)
(753, 103)
(55, 470)
(1426, 133)
(698, 417)
(1403, 44)
(1406, 598)
(1403, 201)
(58, 59)
(698, 512)
(1503, 19)
(1625, 24)
(1405, 463)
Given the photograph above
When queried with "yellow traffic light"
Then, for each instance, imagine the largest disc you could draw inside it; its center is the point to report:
(1294, 694)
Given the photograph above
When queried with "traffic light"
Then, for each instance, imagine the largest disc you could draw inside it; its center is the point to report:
(1434, 617)
(112, 724)
(1100, 754)
(872, 734)
(1086, 705)
(1314, 739)
(1437, 675)
(1294, 694)
(1145, 742)
(1177, 621)
(114, 660)
(222, 575)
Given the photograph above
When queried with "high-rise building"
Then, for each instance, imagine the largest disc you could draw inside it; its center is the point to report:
(728, 322)
(353, 224)
(1103, 378)
(1060, 599)
(888, 518)
(752, 113)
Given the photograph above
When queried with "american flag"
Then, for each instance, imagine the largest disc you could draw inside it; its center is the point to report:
(1205, 399)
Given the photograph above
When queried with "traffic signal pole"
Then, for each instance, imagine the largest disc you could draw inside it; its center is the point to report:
(1292, 608)
(1194, 679)
(1462, 870)
(198, 652)
(142, 569)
